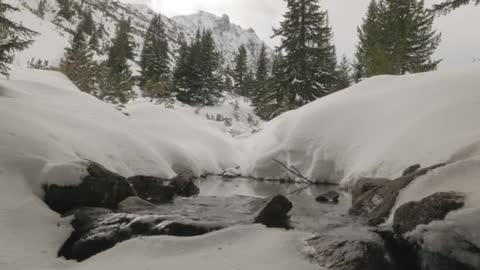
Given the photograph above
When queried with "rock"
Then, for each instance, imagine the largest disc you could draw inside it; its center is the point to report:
(183, 229)
(232, 173)
(435, 207)
(133, 204)
(275, 213)
(184, 186)
(364, 185)
(101, 188)
(152, 189)
(329, 197)
(375, 205)
(342, 251)
(411, 169)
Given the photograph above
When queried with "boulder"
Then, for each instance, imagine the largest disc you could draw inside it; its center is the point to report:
(184, 186)
(411, 169)
(152, 189)
(375, 205)
(364, 185)
(100, 188)
(342, 250)
(435, 207)
(328, 197)
(275, 213)
(134, 204)
(184, 229)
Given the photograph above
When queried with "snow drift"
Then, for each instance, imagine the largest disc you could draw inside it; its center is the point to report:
(376, 128)
(48, 126)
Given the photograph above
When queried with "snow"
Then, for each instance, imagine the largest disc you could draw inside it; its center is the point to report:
(248, 247)
(49, 125)
(49, 128)
(376, 128)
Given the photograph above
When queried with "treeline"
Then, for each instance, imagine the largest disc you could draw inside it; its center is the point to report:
(396, 37)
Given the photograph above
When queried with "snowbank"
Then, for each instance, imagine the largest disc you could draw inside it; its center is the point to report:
(48, 126)
(376, 128)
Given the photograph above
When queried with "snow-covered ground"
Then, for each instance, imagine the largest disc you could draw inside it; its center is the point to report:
(375, 129)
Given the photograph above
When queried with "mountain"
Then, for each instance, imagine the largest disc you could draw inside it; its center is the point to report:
(228, 37)
(55, 31)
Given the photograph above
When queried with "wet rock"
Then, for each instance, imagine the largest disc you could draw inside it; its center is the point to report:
(376, 204)
(435, 207)
(364, 185)
(328, 197)
(152, 189)
(343, 251)
(411, 169)
(101, 188)
(275, 213)
(184, 229)
(184, 186)
(133, 204)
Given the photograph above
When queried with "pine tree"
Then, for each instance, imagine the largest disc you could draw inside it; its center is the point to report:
(210, 65)
(87, 24)
(78, 64)
(261, 73)
(154, 62)
(41, 8)
(118, 80)
(397, 37)
(344, 79)
(197, 78)
(450, 5)
(13, 37)
(241, 70)
(310, 61)
(269, 102)
(66, 11)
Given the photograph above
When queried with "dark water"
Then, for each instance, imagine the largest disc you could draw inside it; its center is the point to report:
(307, 214)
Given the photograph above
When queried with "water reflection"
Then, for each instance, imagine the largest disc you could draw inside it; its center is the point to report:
(307, 214)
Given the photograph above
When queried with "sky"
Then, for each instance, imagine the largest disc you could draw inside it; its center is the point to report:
(460, 29)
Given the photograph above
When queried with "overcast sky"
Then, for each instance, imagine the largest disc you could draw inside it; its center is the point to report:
(460, 29)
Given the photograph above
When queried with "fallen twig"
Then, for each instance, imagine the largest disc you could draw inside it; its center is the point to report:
(296, 172)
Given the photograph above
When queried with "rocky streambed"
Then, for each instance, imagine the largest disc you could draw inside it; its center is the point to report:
(347, 230)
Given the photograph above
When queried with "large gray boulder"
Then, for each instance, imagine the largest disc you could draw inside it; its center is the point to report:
(101, 188)
(364, 185)
(375, 205)
(275, 213)
(184, 186)
(435, 207)
(345, 250)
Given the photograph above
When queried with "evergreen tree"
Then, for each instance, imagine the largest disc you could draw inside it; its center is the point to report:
(310, 61)
(197, 77)
(269, 101)
(397, 37)
(155, 60)
(87, 24)
(449, 5)
(118, 81)
(344, 79)
(41, 8)
(241, 70)
(261, 73)
(78, 64)
(210, 66)
(13, 37)
(66, 10)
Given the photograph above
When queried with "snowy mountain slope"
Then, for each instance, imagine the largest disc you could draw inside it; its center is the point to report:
(55, 32)
(228, 37)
